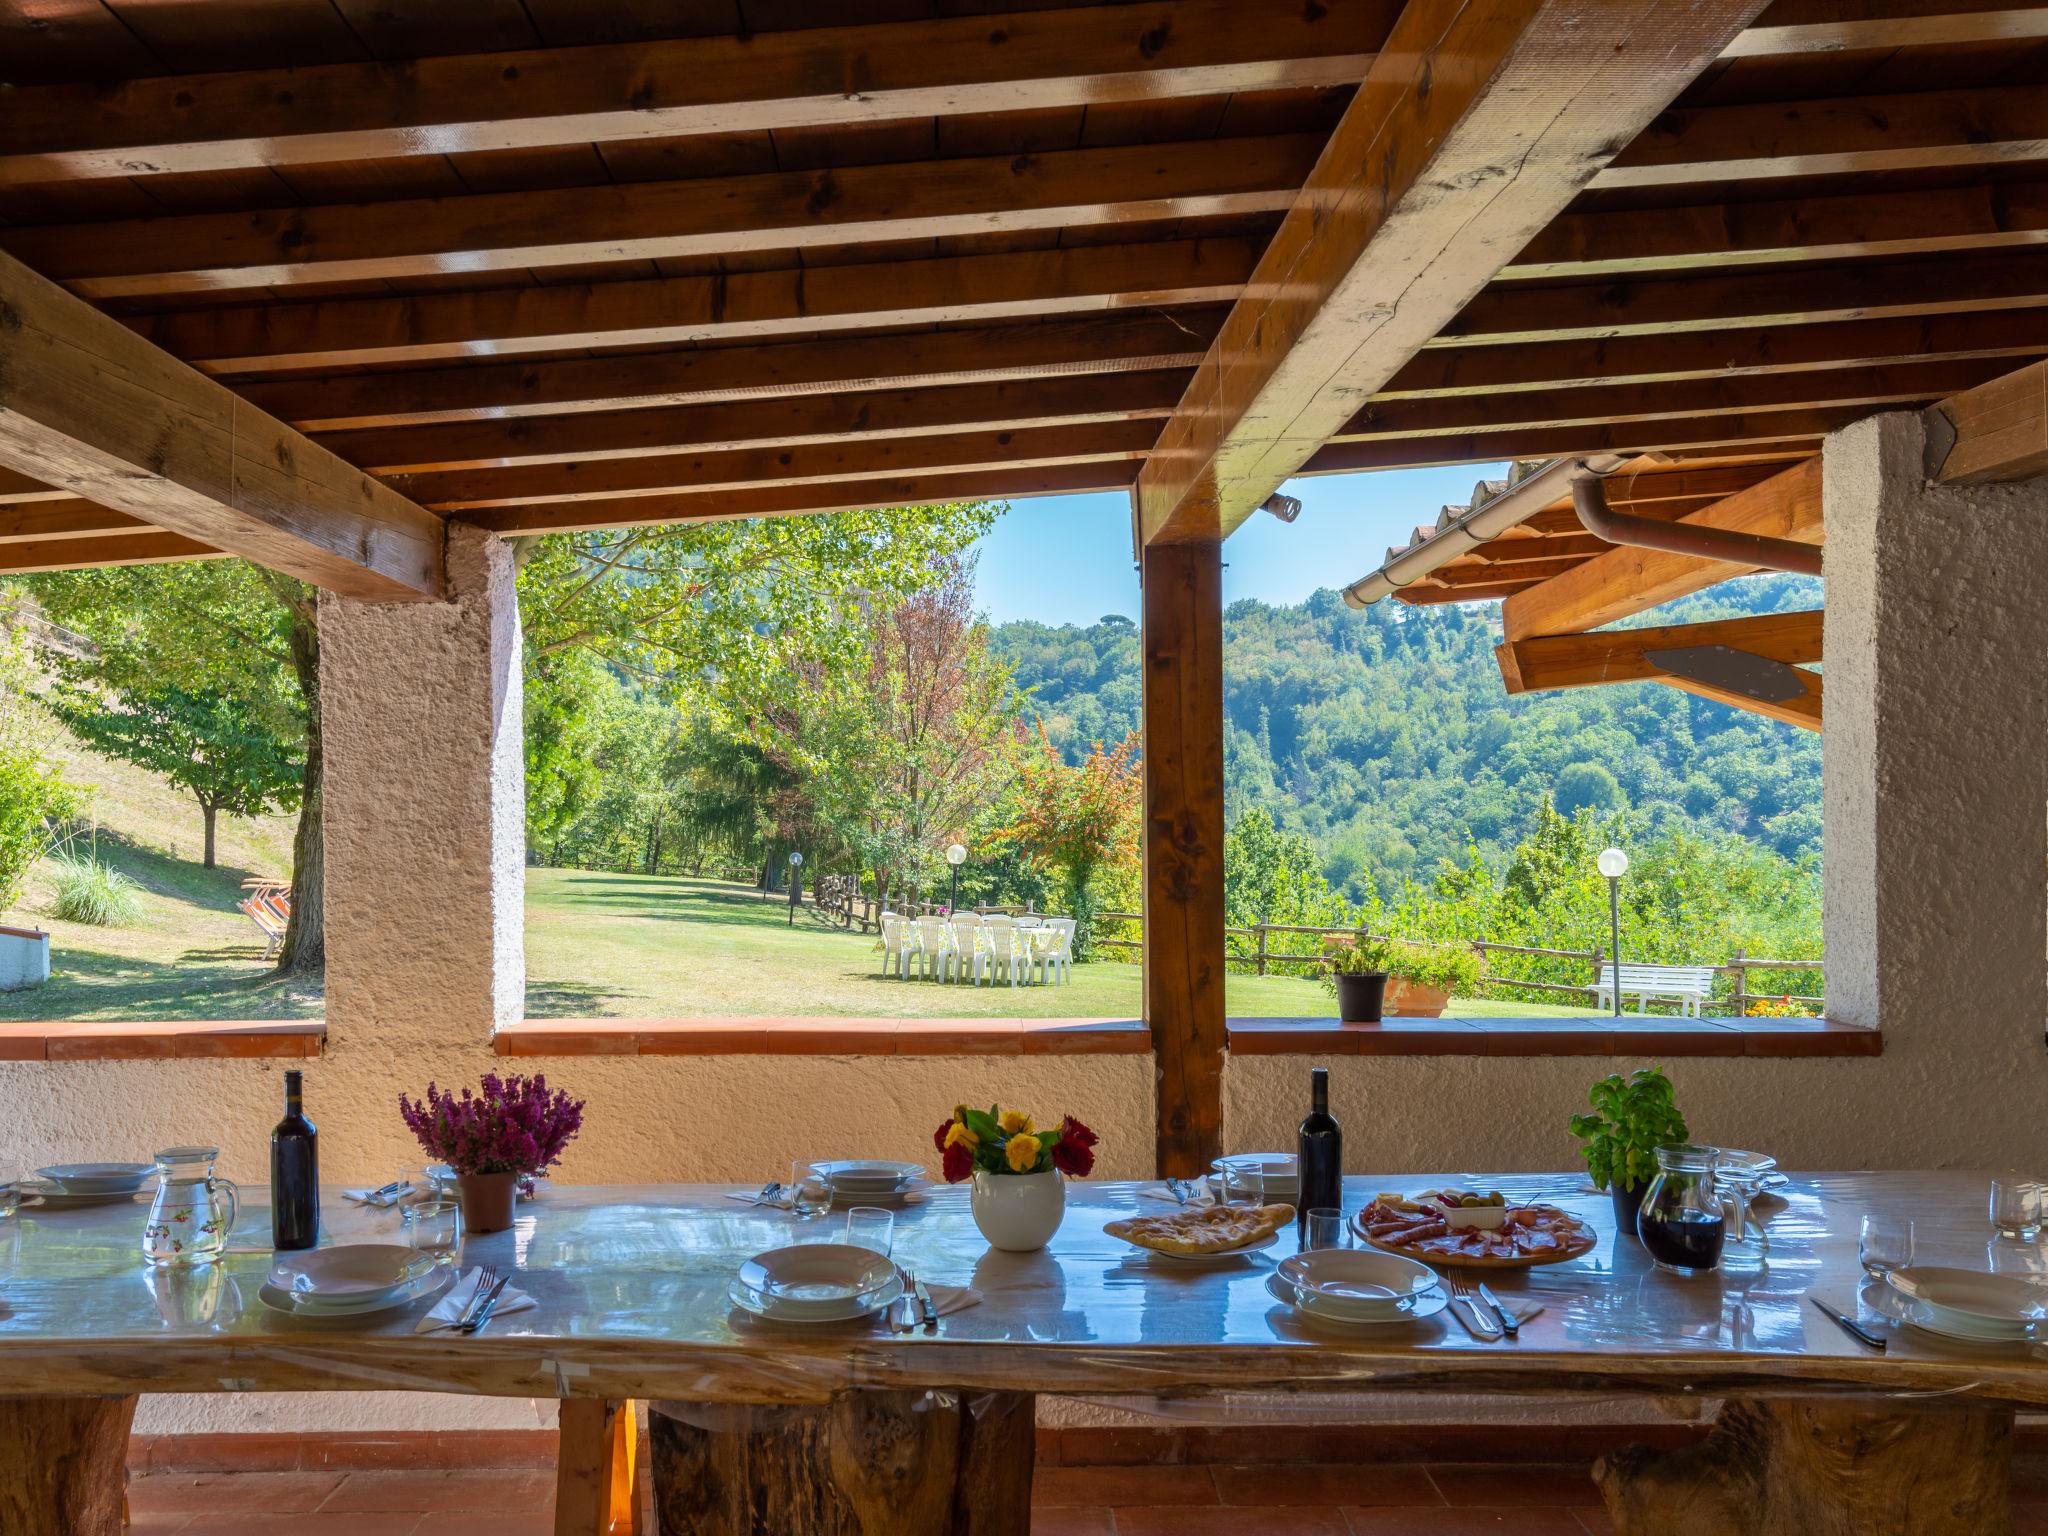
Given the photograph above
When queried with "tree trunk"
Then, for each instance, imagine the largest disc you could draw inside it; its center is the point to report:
(210, 812)
(305, 938)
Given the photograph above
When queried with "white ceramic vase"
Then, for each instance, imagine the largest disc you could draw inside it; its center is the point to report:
(1019, 1212)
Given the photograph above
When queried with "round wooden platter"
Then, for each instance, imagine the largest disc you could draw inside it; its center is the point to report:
(1583, 1243)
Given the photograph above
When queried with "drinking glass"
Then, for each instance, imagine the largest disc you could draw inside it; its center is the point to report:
(433, 1225)
(1324, 1229)
(2016, 1208)
(869, 1226)
(809, 1189)
(1887, 1244)
(10, 1189)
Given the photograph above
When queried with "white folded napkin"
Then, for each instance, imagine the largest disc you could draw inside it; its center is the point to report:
(948, 1299)
(370, 1197)
(1523, 1310)
(447, 1312)
(1203, 1194)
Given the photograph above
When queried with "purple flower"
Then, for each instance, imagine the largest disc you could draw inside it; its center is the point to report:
(514, 1126)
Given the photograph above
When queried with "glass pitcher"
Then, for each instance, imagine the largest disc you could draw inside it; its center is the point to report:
(1684, 1220)
(193, 1212)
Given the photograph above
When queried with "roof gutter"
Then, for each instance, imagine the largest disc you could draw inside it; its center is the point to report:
(1589, 500)
(1488, 520)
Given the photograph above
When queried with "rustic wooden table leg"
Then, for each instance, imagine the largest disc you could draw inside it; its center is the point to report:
(899, 1463)
(595, 1488)
(1823, 1467)
(62, 1464)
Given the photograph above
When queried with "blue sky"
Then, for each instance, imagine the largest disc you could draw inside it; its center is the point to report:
(1067, 559)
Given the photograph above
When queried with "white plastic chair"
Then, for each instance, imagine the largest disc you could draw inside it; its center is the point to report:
(964, 946)
(932, 940)
(898, 939)
(1055, 949)
(998, 948)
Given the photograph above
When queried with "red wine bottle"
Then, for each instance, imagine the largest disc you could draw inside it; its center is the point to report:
(294, 1172)
(1322, 1152)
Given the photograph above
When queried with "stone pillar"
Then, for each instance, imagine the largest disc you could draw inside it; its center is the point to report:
(426, 807)
(1935, 760)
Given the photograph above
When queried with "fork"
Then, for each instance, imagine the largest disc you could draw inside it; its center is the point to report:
(770, 1193)
(475, 1323)
(1181, 1190)
(1461, 1290)
(486, 1277)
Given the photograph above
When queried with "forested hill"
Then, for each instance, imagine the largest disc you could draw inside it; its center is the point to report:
(1385, 734)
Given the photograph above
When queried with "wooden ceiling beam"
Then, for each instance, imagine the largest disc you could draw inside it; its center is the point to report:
(1803, 711)
(757, 82)
(781, 422)
(665, 220)
(89, 406)
(1908, 130)
(744, 468)
(1475, 126)
(1997, 431)
(1789, 429)
(1793, 27)
(1717, 354)
(1538, 663)
(1423, 594)
(1042, 349)
(1619, 404)
(1992, 216)
(65, 519)
(1625, 581)
(152, 548)
(1010, 484)
(258, 338)
(16, 488)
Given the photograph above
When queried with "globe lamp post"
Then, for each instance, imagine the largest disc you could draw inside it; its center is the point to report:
(1613, 864)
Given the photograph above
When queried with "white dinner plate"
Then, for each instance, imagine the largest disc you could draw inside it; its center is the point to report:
(1361, 1284)
(51, 1198)
(1197, 1260)
(349, 1274)
(98, 1178)
(844, 1198)
(862, 1174)
(296, 1306)
(1955, 1325)
(817, 1281)
(1972, 1296)
(850, 1309)
(1426, 1305)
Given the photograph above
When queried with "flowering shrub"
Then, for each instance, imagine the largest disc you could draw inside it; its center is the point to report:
(1009, 1141)
(515, 1125)
(1778, 1008)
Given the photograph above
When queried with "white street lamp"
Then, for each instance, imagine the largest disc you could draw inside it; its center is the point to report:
(1613, 863)
(796, 883)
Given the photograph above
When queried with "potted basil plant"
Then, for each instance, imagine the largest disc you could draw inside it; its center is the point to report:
(1631, 1118)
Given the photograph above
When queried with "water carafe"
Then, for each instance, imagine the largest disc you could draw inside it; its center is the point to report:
(193, 1212)
(1684, 1220)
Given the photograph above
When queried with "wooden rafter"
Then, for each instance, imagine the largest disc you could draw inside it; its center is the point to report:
(1731, 432)
(1625, 581)
(1536, 663)
(1803, 711)
(151, 548)
(65, 519)
(1475, 127)
(1997, 431)
(716, 85)
(89, 406)
(1793, 27)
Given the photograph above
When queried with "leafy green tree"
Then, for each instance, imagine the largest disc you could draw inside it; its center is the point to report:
(32, 796)
(1079, 820)
(1587, 787)
(216, 747)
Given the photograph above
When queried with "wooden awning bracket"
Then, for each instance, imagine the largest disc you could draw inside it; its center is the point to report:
(1732, 671)
(1589, 501)
(1941, 438)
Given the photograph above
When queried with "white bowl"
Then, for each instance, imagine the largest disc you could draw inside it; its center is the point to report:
(1484, 1218)
(98, 1178)
(819, 1279)
(349, 1274)
(1356, 1282)
(863, 1174)
(1972, 1298)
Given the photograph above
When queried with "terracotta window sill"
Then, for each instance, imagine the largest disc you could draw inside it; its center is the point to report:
(185, 1040)
(824, 1037)
(1553, 1037)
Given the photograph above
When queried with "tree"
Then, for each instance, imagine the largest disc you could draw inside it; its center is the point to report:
(1079, 820)
(218, 748)
(32, 796)
(1587, 787)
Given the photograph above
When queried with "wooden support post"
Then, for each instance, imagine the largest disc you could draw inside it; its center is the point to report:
(904, 1463)
(595, 1483)
(1260, 930)
(62, 1465)
(1183, 649)
(1822, 1468)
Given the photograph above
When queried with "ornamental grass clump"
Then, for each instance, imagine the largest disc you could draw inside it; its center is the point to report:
(514, 1125)
(1010, 1141)
(88, 891)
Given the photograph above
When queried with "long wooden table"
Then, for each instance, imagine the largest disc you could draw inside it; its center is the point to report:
(809, 1432)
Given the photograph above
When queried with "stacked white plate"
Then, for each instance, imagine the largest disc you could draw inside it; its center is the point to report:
(870, 1181)
(75, 1184)
(1356, 1287)
(351, 1279)
(815, 1283)
(1272, 1177)
(1970, 1304)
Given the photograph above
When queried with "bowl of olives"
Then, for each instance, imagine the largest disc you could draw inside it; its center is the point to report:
(1472, 1208)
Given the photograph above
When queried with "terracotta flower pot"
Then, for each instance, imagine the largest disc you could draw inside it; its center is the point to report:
(1360, 996)
(487, 1200)
(1018, 1212)
(1412, 1000)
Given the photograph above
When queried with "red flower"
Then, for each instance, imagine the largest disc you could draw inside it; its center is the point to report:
(959, 1162)
(1073, 1130)
(1072, 1158)
(939, 1136)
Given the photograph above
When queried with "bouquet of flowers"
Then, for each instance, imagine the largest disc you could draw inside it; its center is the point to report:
(1010, 1141)
(515, 1125)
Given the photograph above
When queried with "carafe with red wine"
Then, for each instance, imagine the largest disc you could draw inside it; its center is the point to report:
(1683, 1224)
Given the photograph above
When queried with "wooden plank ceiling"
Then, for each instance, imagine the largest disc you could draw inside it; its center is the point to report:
(544, 264)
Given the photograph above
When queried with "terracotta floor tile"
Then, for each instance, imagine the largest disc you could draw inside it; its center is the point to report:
(1595, 1519)
(160, 1522)
(493, 1522)
(2030, 1520)
(1463, 1522)
(304, 1525)
(480, 1491)
(1060, 1520)
(1181, 1520)
(1515, 1485)
(1118, 1486)
(1367, 1483)
(270, 1493)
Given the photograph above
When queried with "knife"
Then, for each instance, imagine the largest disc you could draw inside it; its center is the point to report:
(924, 1299)
(1508, 1322)
(476, 1323)
(1850, 1325)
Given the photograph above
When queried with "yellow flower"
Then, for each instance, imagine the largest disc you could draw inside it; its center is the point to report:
(1015, 1122)
(1022, 1151)
(960, 1136)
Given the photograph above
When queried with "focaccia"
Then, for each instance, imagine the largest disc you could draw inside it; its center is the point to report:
(1207, 1229)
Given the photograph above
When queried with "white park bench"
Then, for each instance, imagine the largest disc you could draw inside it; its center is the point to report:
(1686, 985)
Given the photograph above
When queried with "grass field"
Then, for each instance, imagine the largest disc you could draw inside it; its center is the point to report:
(597, 945)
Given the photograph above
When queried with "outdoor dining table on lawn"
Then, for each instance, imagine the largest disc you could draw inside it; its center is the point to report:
(829, 1430)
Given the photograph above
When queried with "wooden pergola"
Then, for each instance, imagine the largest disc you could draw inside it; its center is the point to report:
(310, 283)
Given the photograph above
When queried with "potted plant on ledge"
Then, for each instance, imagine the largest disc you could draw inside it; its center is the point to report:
(1423, 978)
(492, 1139)
(1358, 975)
(1632, 1117)
(1019, 1171)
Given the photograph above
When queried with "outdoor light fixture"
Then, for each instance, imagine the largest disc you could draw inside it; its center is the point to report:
(956, 855)
(796, 882)
(1286, 508)
(1613, 864)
